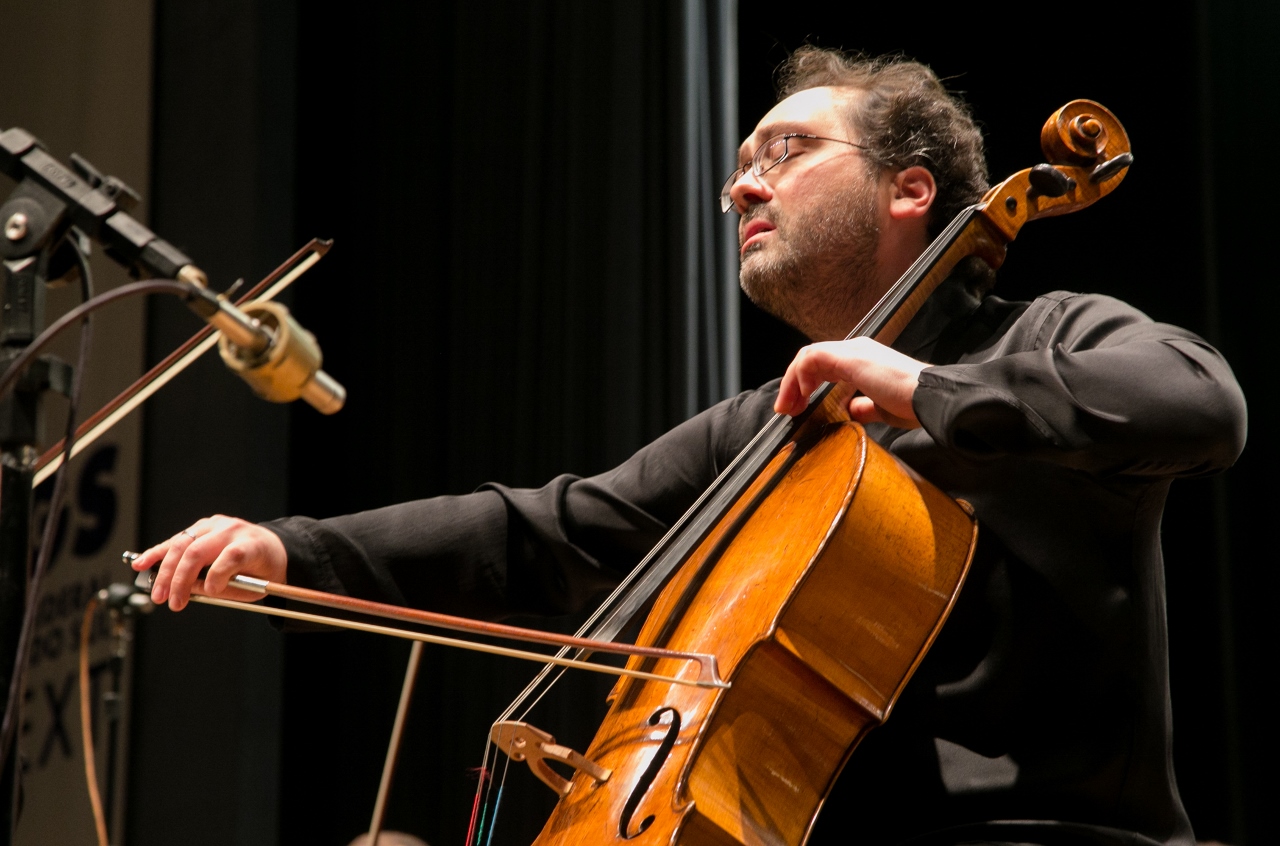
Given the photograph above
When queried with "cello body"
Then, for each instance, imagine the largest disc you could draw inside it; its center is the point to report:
(818, 590)
(817, 622)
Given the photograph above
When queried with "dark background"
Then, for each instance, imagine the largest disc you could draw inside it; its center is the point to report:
(501, 181)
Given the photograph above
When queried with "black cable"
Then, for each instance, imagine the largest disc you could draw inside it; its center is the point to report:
(81, 312)
(36, 576)
(150, 286)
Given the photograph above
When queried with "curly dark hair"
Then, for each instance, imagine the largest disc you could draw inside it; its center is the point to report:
(906, 118)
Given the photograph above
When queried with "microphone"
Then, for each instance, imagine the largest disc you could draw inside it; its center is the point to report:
(264, 345)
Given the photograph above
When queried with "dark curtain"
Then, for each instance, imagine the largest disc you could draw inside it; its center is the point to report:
(1226, 614)
(206, 709)
(710, 93)
(506, 184)
(502, 183)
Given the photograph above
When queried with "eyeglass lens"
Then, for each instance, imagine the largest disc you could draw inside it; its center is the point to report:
(766, 158)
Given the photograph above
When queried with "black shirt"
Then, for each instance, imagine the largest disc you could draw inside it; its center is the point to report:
(1045, 699)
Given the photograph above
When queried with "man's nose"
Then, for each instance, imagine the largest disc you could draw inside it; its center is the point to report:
(749, 190)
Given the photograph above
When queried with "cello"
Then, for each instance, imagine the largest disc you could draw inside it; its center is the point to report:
(817, 570)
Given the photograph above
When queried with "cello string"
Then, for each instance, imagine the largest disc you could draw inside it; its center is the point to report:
(655, 566)
(497, 802)
(488, 788)
(493, 824)
(476, 806)
(539, 685)
(779, 428)
(506, 715)
(642, 569)
(877, 322)
(487, 818)
(776, 430)
(546, 689)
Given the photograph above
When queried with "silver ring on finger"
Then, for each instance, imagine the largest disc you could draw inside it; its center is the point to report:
(190, 534)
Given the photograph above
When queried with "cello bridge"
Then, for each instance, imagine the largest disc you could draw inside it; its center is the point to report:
(523, 742)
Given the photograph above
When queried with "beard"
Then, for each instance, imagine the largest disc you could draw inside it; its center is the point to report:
(817, 270)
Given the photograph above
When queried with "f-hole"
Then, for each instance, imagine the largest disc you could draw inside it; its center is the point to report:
(671, 717)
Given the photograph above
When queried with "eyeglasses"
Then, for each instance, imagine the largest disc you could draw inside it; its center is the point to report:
(770, 154)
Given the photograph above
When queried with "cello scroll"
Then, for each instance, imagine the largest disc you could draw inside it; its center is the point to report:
(1088, 156)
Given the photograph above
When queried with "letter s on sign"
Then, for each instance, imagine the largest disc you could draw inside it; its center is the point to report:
(96, 499)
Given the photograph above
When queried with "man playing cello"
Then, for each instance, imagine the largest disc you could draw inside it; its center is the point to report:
(1062, 421)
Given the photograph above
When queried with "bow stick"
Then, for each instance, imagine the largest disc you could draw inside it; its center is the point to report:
(708, 674)
(177, 361)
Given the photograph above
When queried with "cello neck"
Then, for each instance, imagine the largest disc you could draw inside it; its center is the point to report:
(969, 234)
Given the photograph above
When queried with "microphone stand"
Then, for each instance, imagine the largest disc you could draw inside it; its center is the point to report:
(37, 244)
(45, 226)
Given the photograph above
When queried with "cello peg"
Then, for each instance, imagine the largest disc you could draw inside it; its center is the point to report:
(1110, 168)
(1048, 181)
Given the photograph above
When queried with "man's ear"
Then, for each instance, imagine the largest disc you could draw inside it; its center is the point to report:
(912, 193)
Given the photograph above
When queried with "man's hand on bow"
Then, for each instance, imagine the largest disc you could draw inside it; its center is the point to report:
(228, 546)
(885, 379)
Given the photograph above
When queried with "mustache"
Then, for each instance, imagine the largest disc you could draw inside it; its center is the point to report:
(757, 211)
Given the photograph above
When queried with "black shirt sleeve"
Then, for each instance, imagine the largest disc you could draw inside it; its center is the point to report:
(1092, 383)
(503, 551)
